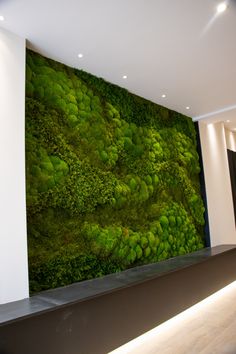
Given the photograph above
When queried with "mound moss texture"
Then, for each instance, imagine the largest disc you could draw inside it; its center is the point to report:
(112, 179)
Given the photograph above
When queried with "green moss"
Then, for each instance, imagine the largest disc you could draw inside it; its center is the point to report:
(112, 179)
(164, 221)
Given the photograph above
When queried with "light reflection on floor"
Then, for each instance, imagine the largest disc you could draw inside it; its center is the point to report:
(209, 327)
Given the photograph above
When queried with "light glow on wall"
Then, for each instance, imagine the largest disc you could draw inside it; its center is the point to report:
(231, 139)
(212, 136)
(168, 328)
(230, 136)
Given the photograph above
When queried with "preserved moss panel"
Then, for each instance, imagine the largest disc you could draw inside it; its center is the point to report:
(112, 179)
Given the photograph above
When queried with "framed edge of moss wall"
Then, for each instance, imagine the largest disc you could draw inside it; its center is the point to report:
(203, 188)
(112, 179)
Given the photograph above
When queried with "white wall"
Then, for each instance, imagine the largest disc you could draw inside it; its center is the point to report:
(230, 140)
(218, 186)
(13, 238)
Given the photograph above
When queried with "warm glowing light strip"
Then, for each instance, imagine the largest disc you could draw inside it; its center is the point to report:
(175, 321)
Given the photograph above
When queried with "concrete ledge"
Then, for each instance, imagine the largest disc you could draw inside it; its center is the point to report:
(99, 315)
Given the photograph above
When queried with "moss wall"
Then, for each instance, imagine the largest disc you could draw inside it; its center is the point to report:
(112, 179)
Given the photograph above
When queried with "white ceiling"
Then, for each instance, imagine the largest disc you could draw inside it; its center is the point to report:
(175, 47)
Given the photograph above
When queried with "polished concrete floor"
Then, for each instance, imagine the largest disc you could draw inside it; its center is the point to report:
(206, 328)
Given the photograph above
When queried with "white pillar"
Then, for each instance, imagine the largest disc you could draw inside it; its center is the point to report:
(13, 237)
(218, 186)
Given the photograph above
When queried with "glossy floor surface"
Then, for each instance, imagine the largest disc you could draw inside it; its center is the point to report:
(207, 328)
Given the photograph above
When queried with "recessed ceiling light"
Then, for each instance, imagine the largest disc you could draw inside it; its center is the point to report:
(221, 7)
(80, 55)
(125, 77)
(163, 96)
(2, 18)
(187, 107)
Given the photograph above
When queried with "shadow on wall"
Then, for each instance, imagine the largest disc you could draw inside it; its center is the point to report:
(112, 179)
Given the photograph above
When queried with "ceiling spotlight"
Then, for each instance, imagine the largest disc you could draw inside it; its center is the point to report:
(187, 107)
(163, 96)
(2, 18)
(221, 7)
(125, 77)
(80, 55)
